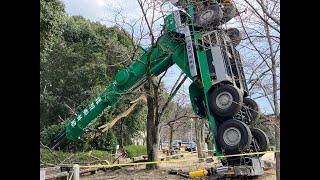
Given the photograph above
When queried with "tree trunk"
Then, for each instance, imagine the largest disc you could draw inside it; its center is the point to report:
(202, 138)
(275, 99)
(152, 147)
(156, 129)
(171, 138)
(209, 143)
(150, 123)
(199, 131)
(121, 135)
(155, 146)
(153, 125)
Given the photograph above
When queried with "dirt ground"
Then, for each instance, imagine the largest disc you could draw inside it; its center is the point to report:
(187, 163)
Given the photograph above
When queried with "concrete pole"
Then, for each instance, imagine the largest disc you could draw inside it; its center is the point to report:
(277, 154)
(76, 172)
(42, 174)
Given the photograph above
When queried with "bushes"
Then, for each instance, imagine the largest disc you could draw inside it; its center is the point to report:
(106, 142)
(135, 150)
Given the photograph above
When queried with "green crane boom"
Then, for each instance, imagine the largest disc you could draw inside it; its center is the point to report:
(168, 51)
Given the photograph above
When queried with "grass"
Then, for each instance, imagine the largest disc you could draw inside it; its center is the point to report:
(59, 157)
(135, 150)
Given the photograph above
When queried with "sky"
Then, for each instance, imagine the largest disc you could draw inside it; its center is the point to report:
(103, 11)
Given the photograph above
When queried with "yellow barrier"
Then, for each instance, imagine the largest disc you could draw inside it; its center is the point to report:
(131, 164)
(168, 161)
(244, 154)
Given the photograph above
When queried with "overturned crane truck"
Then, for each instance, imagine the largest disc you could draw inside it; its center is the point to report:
(193, 40)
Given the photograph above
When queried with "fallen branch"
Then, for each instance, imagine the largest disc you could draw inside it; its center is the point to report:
(109, 125)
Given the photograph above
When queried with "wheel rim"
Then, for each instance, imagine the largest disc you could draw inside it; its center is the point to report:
(231, 136)
(224, 100)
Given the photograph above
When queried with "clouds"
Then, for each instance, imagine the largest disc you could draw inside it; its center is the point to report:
(98, 10)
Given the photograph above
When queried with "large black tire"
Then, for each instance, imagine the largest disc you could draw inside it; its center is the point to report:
(229, 12)
(210, 16)
(235, 35)
(261, 138)
(234, 137)
(225, 101)
(253, 107)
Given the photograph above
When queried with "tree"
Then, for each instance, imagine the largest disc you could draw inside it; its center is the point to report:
(177, 117)
(152, 86)
(146, 28)
(81, 58)
(52, 20)
(78, 68)
(261, 29)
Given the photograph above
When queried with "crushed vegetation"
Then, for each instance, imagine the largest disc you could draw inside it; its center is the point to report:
(49, 157)
(52, 157)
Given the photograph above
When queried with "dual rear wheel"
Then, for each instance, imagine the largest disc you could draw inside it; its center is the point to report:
(235, 137)
(226, 102)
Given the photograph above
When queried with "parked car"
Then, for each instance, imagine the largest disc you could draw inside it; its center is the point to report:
(185, 142)
(176, 144)
(191, 147)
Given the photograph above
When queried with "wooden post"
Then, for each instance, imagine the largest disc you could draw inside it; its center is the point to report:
(76, 172)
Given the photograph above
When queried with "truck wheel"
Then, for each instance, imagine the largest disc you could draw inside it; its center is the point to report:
(229, 12)
(234, 35)
(225, 101)
(211, 16)
(253, 108)
(234, 137)
(261, 139)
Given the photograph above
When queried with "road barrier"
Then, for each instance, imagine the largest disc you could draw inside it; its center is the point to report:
(167, 161)
(76, 168)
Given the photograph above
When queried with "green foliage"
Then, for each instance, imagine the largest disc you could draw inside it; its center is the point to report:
(78, 60)
(49, 132)
(135, 150)
(56, 157)
(52, 20)
(77, 67)
(105, 142)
